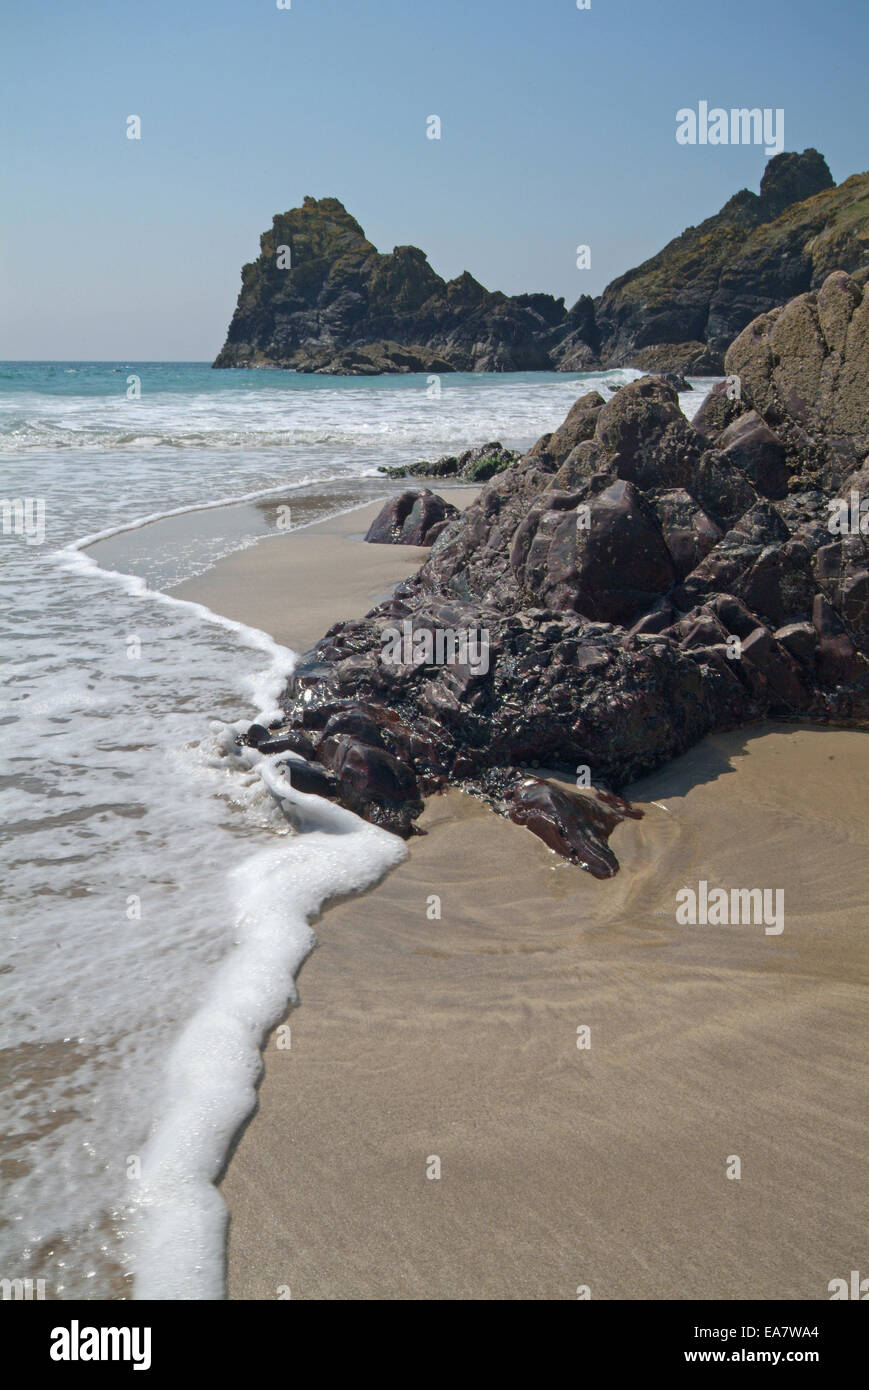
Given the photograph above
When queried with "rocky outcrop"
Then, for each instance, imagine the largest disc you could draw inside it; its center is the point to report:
(321, 298)
(633, 583)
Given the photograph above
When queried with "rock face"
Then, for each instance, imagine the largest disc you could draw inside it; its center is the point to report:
(321, 298)
(804, 366)
(631, 584)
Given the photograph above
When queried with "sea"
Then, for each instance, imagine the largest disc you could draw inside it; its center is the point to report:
(159, 883)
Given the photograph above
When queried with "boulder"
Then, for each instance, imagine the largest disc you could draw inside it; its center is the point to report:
(575, 826)
(688, 531)
(719, 408)
(751, 446)
(645, 436)
(411, 518)
(373, 782)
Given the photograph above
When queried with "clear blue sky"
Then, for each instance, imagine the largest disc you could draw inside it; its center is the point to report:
(558, 129)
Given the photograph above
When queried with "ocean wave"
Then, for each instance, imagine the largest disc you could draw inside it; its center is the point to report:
(36, 436)
(310, 415)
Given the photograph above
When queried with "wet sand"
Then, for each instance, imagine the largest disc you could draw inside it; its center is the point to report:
(296, 585)
(453, 1037)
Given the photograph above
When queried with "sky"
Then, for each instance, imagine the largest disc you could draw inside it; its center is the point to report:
(557, 130)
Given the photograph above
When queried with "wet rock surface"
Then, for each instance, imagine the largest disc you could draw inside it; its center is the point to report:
(411, 518)
(631, 584)
(576, 827)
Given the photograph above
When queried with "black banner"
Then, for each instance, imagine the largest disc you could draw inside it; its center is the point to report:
(81, 1339)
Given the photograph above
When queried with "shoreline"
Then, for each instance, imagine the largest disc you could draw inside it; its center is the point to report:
(309, 562)
(455, 1036)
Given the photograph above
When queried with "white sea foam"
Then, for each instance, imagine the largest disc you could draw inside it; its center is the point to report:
(298, 414)
(214, 1067)
(172, 1221)
(175, 1214)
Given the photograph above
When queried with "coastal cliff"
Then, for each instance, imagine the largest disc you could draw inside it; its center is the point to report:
(681, 309)
(321, 298)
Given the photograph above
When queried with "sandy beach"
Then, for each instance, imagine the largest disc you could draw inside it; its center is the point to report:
(483, 919)
(440, 1017)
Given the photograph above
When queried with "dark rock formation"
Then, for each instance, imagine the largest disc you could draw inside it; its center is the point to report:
(757, 452)
(321, 298)
(341, 306)
(411, 518)
(631, 584)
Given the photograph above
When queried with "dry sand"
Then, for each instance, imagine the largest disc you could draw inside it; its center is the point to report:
(455, 1037)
